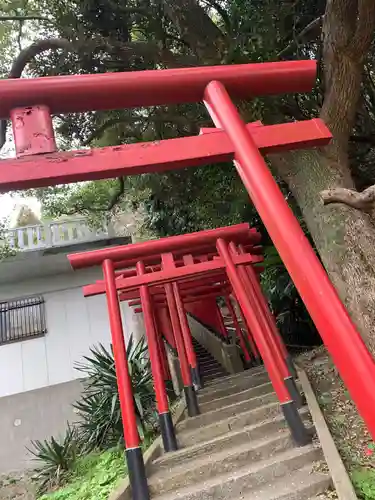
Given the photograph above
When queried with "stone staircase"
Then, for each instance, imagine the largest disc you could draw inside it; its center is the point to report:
(209, 368)
(239, 448)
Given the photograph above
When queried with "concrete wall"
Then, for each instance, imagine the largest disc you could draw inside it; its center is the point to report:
(32, 415)
(73, 325)
(227, 355)
(38, 381)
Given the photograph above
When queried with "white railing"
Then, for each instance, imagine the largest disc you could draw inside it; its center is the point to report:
(56, 234)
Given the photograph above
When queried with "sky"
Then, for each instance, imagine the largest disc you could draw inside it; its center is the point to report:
(9, 202)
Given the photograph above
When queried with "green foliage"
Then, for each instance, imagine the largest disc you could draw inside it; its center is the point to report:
(100, 424)
(93, 477)
(56, 459)
(5, 249)
(292, 318)
(364, 483)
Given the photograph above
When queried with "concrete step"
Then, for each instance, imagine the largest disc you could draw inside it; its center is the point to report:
(212, 369)
(196, 469)
(251, 433)
(290, 469)
(303, 485)
(226, 412)
(258, 416)
(213, 376)
(209, 362)
(233, 379)
(218, 436)
(222, 388)
(236, 397)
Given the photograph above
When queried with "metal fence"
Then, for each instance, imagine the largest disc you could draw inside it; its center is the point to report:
(22, 319)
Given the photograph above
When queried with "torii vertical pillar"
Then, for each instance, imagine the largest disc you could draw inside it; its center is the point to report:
(289, 408)
(165, 418)
(134, 456)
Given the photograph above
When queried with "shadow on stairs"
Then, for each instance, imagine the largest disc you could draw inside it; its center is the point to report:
(239, 448)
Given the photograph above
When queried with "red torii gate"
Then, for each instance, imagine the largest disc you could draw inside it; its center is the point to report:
(194, 291)
(241, 278)
(30, 102)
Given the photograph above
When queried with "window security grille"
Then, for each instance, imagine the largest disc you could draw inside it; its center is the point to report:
(21, 319)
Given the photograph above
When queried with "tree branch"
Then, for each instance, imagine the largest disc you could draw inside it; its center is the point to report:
(361, 201)
(98, 132)
(220, 10)
(197, 29)
(150, 51)
(113, 200)
(363, 139)
(364, 32)
(24, 57)
(309, 32)
(24, 18)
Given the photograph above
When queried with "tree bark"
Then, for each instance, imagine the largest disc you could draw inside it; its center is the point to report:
(197, 29)
(344, 236)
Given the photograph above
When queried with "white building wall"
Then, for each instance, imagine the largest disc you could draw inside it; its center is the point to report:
(74, 323)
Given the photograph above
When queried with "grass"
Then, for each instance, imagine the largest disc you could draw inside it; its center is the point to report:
(93, 477)
(364, 482)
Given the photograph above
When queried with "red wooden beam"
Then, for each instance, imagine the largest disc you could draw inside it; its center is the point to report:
(67, 94)
(216, 278)
(199, 253)
(137, 251)
(168, 275)
(131, 159)
(187, 300)
(186, 287)
(217, 291)
(153, 262)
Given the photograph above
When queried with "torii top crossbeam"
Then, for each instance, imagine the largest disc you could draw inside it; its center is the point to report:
(67, 94)
(186, 243)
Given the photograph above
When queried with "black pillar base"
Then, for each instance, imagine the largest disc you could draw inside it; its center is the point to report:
(167, 432)
(191, 401)
(291, 367)
(137, 474)
(196, 378)
(298, 431)
(257, 362)
(297, 397)
(170, 390)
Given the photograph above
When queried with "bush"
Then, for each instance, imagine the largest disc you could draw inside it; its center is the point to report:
(56, 459)
(93, 477)
(364, 483)
(99, 407)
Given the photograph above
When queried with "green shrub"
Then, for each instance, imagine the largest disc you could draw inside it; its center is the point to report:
(100, 425)
(56, 459)
(364, 483)
(93, 477)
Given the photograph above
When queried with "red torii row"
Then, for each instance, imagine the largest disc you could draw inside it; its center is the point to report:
(193, 291)
(30, 102)
(235, 265)
(195, 255)
(247, 347)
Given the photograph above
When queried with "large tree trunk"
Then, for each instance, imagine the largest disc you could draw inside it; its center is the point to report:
(344, 236)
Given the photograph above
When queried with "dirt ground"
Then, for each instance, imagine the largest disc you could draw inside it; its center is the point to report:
(348, 430)
(16, 487)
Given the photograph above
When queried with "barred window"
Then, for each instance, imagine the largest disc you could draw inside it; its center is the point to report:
(22, 319)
